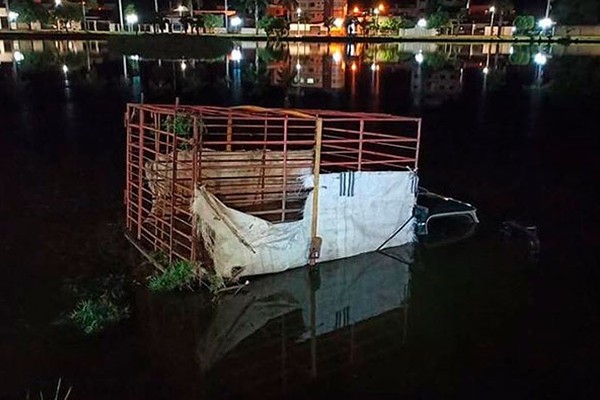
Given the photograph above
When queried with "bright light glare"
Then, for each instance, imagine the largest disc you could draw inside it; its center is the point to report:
(18, 56)
(65, 69)
(298, 66)
(134, 57)
(338, 22)
(374, 67)
(298, 11)
(381, 7)
(131, 19)
(356, 10)
(353, 67)
(337, 57)
(492, 9)
(422, 23)
(540, 59)
(376, 11)
(419, 58)
(486, 71)
(236, 55)
(12, 16)
(57, 2)
(236, 21)
(511, 50)
(545, 23)
(183, 66)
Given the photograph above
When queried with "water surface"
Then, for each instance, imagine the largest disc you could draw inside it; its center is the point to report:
(478, 318)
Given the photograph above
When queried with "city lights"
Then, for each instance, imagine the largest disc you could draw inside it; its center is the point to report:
(419, 57)
(236, 55)
(545, 23)
(18, 56)
(540, 59)
(236, 21)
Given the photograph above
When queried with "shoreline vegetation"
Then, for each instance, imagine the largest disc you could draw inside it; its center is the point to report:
(207, 44)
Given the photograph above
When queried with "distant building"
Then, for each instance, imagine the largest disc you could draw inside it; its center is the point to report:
(318, 10)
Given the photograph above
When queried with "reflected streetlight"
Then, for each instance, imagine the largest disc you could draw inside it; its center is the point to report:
(419, 57)
(486, 70)
(338, 22)
(337, 57)
(540, 59)
(236, 55)
(65, 69)
(18, 56)
(183, 66)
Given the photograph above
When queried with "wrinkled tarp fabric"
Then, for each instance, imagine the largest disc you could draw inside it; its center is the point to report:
(357, 213)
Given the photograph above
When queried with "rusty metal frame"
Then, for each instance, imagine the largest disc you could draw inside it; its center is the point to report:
(251, 158)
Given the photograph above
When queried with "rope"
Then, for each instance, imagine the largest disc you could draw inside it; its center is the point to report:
(395, 233)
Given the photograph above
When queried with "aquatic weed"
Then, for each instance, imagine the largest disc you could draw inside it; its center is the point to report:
(180, 275)
(93, 315)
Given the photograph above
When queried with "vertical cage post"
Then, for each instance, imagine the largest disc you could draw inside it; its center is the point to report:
(284, 194)
(128, 167)
(173, 193)
(194, 241)
(140, 178)
(418, 143)
(315, 245)
(360, 142)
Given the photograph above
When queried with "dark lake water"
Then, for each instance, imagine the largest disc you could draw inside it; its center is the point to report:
(511, 129)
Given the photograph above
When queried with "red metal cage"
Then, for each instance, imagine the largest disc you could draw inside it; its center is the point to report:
(253, 159)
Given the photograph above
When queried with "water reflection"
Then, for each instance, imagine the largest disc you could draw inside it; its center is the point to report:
(291, 328)
(429, 74)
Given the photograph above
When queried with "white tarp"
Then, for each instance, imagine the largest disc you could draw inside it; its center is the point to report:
(358, 212)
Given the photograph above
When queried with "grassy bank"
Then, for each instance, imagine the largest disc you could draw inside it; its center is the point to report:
(216, 43)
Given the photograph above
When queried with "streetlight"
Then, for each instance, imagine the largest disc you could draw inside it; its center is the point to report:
(131, 20)
(422, 23)
(493, 11)
(236, 21)
(12, 16)
(545, 23)
(57, 3)
(381, 7)
(298, 12)
(356, 10)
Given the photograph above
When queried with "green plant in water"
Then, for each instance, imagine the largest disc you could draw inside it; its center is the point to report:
(93, 315)
(214, 282)
(180, 275)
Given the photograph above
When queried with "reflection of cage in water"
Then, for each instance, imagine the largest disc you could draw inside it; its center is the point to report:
(252, 159)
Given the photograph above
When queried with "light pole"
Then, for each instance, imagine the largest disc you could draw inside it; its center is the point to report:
(298, 13)
(156, 6)
(548, 7)
(121, 14)
(83, 14)
(493, 12)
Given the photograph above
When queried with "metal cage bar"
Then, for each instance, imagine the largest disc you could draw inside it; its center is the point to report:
(253, 159)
